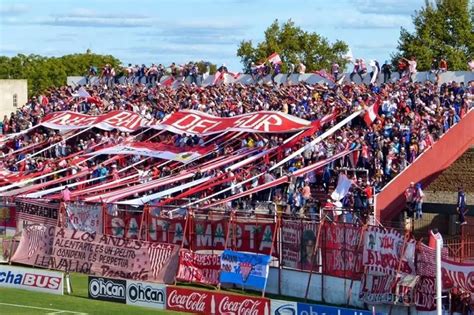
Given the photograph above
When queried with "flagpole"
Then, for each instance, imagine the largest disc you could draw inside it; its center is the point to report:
(360, 243)
(439, 284)
(326, 134)
(312, 256)
(274, 236)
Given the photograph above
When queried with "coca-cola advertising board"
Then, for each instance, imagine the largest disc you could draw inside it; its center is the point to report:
(216, 303)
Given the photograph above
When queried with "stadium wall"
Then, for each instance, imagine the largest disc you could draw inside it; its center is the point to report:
(458, 76)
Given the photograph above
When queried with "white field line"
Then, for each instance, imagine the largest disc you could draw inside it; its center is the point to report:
(54, 311)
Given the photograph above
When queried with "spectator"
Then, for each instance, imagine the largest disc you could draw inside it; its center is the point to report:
(411, 68)
(419, 198)
(335, 71)
(401, 68)
(410, 193)
(461, 207)
(66, 194)
(387, 71)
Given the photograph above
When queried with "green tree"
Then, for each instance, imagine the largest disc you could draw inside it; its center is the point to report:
(294, 45)
(46, 72)
(443, 29)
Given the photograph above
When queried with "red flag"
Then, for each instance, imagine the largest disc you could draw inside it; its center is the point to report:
(371, 113)
(168, 82)
(274, 58)
(218, 78)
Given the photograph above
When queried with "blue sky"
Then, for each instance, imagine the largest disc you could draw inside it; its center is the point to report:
(163, 31)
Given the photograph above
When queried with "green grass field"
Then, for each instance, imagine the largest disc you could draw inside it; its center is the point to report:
(14, 301)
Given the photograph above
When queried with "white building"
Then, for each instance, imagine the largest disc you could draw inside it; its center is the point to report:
(13, 94)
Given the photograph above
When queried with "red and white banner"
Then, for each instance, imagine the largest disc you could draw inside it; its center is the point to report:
(254, 237)
(454, 275)
(97, 254)
(156, 150)
(457, 275)
(188, 121)
(371, 113)
(383, 250)
(199, 123)
(122, 224)
(121, 120)
(198, 268)
(341, 255)
(211, 302)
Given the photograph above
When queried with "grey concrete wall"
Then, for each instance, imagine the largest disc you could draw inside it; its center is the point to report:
(458, 76)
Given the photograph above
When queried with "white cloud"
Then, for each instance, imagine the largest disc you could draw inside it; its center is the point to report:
(388, 7)
(13, 9)
(86, 18)
(374, 21)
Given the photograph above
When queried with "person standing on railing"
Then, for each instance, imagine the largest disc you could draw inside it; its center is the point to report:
(461, 207)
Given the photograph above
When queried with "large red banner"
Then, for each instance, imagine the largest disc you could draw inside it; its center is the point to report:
(187, 121)
(211, 302)
(121, 120)
(198, 268)
(342, 256)
(194, 122)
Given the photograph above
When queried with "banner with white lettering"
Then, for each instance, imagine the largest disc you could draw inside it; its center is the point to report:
(117, 119)
(199, 123)
(197, 301)
(198, 268)
(383, 249)
(186, 121)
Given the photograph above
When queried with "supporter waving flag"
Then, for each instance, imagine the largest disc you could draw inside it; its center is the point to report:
(274, 58)
(371, 113)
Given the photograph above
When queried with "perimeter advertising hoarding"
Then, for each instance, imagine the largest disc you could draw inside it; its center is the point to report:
(129, 292)
(280, 307)
(31, 279)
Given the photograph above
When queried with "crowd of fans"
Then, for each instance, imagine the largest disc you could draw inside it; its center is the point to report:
(412, 116)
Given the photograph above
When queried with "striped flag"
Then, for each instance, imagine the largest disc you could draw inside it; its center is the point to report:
(218, 77)
(159, 254)
(36, 236)
(35, 219)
